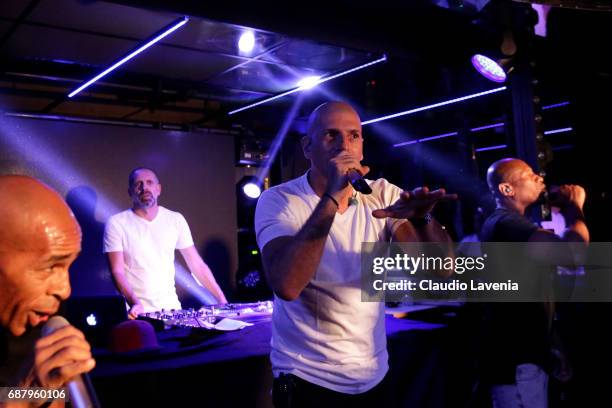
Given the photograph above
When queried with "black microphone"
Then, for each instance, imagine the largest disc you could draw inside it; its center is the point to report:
(358, 182)
(82, 394)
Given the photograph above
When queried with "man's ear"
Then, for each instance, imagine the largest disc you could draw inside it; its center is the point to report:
(306, 142)
(160, 187)
(505, 189)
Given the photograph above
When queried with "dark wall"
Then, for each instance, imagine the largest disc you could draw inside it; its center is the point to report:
(89, 164)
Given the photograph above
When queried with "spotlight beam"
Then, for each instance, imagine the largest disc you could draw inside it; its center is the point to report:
(262, 173)
(164, 32)
(435, 105)
(301, 88)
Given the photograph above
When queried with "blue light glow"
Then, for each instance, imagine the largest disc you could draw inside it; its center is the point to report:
(496, 147)
(175, 26)
(308, 82)
(562, 130)
(435, 105)
(494, 125)
(426, 139)
(555, 105)
(320, 81)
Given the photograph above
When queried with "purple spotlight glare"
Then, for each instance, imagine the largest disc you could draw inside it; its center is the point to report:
(488, 68)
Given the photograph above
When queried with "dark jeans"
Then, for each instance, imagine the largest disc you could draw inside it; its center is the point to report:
(290, 391)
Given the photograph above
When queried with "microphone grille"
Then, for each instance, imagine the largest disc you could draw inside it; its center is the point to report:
(54, 323)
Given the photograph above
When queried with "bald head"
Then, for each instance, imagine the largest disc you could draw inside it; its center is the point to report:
(28, 210)
(502, 171)
(514, 184)
(324, 110)
(39, 239)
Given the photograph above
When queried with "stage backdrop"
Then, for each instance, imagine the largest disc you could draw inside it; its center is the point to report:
(89, 165)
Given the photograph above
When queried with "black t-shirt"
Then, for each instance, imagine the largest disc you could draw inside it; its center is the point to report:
(513, 333)
(16, 354)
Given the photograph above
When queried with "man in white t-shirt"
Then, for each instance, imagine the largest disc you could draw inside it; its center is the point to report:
(329, 347)
(140, 244)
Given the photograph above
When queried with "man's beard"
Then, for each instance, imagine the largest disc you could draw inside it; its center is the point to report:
(147, 201)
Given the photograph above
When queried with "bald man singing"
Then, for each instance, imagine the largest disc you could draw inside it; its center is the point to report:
(329, 347)
(39, 240)
(519, 335)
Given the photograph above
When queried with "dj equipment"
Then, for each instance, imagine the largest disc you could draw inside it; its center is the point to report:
(207, 315)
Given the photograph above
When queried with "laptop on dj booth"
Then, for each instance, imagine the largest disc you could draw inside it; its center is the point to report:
(95, 316)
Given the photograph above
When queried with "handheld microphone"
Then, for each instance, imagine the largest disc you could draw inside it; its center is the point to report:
(82, 394)
(358, 182)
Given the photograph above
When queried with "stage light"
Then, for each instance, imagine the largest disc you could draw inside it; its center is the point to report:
(251, 190)
(497, 64)
(249, 187)
(308, 82)
(488, 68)
(435, 105)
(320, 81)
(246, 43)
(166, 31)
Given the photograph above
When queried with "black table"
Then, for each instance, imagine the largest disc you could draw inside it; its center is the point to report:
(232, 369)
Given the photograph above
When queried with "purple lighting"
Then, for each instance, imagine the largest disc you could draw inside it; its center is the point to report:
(562, 130)
(488, 68)
(406, 143)
(435, 105)
(165, 32)
(426, 139)
(494, 125)
(301, 88)
(496, 147)
(562, 147)
(556, 105)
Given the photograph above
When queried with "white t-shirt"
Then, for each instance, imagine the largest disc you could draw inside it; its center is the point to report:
(328, 336)
(148, 250)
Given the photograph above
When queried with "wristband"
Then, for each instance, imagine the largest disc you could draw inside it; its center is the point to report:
(331, 198)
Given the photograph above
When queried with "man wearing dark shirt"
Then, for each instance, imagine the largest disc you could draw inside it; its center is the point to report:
(39, 240)
(516, 336)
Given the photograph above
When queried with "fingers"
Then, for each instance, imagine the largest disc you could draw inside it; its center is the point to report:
(339, 167)
(58, 335)
(66, 373)
(414, 203)
(347, 161)
(60, 356)
(381, 213)
(573, 193)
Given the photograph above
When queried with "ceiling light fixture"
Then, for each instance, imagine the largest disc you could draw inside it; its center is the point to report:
(320, 81)
(246, 43)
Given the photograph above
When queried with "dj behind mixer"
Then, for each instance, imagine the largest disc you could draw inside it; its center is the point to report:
(207, 317)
